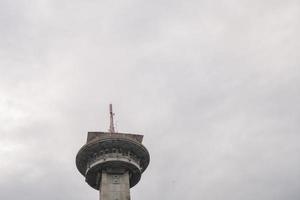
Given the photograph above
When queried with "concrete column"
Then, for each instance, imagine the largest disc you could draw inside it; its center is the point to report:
(114, 186)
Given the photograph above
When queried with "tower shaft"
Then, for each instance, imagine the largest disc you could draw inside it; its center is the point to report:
(114, 186)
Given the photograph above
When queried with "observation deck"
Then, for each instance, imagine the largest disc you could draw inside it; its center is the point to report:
(114, 153)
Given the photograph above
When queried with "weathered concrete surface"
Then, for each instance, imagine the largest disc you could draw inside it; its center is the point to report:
(92, 136)
(114, 186)
(109, 151)
(113, 163)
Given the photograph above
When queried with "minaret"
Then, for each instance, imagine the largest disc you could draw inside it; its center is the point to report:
(112, 162)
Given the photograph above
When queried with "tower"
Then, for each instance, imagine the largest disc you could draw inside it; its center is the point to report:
(112, 162)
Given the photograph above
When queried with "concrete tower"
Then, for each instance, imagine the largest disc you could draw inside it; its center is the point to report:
(112, 162)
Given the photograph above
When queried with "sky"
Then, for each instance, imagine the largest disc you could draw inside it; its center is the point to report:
(213, 85)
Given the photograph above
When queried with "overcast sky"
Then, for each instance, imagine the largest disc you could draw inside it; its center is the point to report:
(213, 85)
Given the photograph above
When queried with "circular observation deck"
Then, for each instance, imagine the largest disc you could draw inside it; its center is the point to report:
(112, 153)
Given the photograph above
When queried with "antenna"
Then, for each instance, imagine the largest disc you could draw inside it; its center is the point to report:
(111, 126)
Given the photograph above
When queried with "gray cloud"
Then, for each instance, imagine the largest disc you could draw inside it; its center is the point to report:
(213, 86)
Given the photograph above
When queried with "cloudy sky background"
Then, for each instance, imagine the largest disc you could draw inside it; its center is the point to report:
(213, 85)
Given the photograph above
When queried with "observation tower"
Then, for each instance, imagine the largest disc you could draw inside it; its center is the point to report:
(112, 162)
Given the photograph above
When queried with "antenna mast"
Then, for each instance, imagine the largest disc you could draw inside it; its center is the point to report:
(111, 126)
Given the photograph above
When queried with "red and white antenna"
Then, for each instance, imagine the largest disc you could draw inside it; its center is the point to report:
(111, 126)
